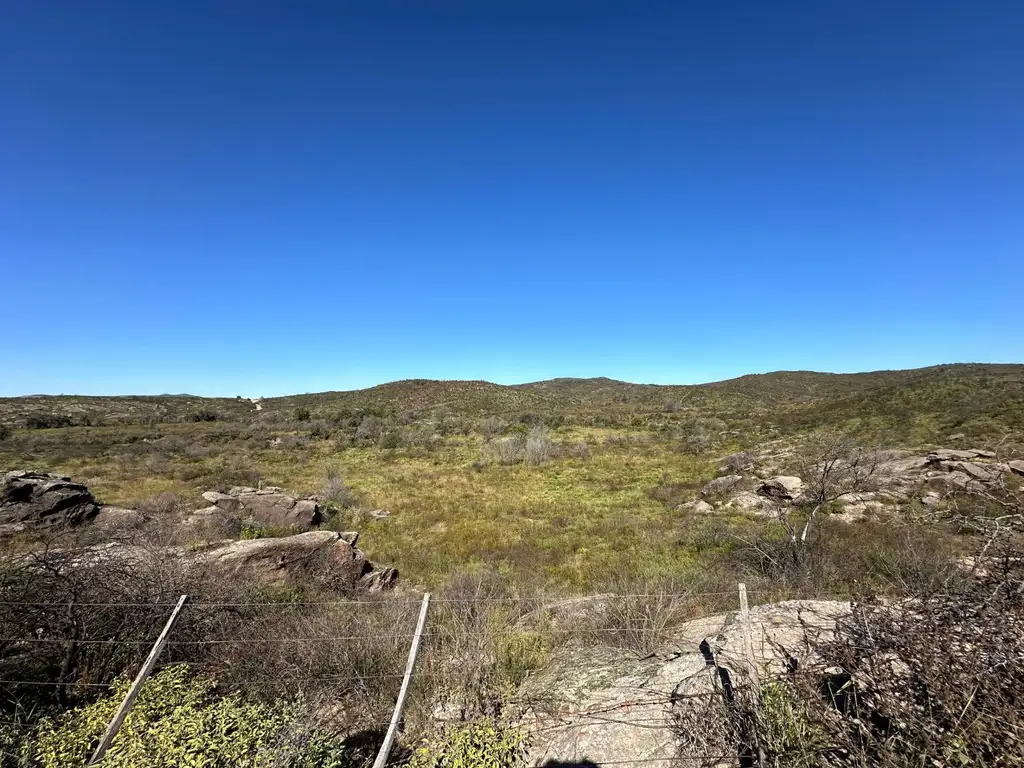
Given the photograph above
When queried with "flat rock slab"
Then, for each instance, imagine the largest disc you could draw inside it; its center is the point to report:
(605, 706)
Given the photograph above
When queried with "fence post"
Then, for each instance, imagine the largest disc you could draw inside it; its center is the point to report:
(748, 641)
(133, 692)
(396, 716)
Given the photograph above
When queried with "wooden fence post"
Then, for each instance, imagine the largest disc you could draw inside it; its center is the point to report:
(396, 716)
(133, 692)
(748, 641)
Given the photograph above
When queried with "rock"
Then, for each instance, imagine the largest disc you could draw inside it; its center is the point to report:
(379, 514)
(611, 708)
(748, 501)
(12, 529)
(721, 485)
(322, 556)
(1016, 466)
(931, 499)
(984, 454)
(969, 468)
(701, 507)
(224, 501)
(957, 436)
(781, 487)
(271, 507)
(118, 517)
(38, 498)
(960, 480)
(947, 454)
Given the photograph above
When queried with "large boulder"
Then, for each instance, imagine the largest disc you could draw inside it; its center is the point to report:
(1016, 466)
(38, 498)
(268, 507)
(603, 705)
(325, 557)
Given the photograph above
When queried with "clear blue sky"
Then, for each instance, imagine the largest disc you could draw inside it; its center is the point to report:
(262, 198)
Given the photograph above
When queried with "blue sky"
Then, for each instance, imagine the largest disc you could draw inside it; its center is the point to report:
(273, 197)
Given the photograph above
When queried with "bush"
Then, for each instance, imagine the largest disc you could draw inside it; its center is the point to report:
(369, 429)
(507, 450)
(47, 421)
(203, 414)
(484, 743)
(538, 446)
(334, 489)
(5, 432)
(176, 720)
(492, 427)
(389, 441)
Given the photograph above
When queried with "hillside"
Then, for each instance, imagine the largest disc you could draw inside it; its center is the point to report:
(909, 406)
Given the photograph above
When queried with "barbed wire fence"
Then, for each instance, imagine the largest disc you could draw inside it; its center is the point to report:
(416, 635)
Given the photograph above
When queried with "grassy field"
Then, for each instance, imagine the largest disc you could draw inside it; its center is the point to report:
(602, 507)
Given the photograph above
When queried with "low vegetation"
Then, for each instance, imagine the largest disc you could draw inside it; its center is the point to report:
(504, 501)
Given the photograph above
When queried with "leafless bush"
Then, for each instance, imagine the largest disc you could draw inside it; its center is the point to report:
(538, 446)
(335, 491)
(506, 450)
(369, 429)
(492, 427)
(641, 614)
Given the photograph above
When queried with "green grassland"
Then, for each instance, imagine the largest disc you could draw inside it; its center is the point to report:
(604, 505)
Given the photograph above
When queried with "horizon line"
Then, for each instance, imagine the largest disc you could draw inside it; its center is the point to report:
(517, 384)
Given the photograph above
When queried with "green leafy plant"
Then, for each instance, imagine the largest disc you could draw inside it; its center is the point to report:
(485, 743)
(176, 721)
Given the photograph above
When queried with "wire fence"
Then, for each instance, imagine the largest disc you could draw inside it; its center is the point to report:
(652, 708)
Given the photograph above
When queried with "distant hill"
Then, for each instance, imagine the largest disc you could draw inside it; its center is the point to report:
(986, 398)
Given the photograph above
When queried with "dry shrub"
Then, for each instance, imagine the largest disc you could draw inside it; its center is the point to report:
(507, 450)
(839, 558)
(538, 446)
(484, 643)
(931, 681)
(492, 427)
(640, 614)
(335, 491)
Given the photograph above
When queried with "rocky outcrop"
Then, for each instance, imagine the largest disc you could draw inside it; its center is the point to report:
(721, 485)
(781, 487)
(265, 507)
(611, 707)
(38, 498)
(324, 557)
(1016, 466)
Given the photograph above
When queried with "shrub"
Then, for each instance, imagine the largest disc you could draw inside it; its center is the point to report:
(302, 414)
(492, 427)
(5, 432)
(320, 430)
(538, 446)
(369, 429)
(176, 720)
(203, 414)
(389, 441)
(334, 489)
(47, 421)
(507, 450)
(484, 743)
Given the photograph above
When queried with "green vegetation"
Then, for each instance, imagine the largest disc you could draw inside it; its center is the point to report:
(560, 483)
(498, 499)
(176, 721)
